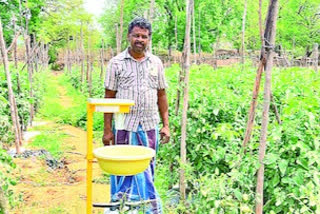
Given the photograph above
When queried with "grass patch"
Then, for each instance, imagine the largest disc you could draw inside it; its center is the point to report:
(52, 142)
(103, 179)
(51, 108)
(57, 210)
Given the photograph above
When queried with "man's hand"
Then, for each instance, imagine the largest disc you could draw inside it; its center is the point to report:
(108, 138)
(165, 135)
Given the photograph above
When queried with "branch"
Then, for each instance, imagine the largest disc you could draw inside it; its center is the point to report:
(14, 41)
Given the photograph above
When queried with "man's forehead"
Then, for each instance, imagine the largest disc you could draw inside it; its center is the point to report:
(140, 29)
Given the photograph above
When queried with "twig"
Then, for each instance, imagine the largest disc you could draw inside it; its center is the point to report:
(76, 153)
(275, 109)
(13, 41)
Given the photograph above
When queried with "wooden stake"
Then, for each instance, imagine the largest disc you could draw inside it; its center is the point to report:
(30, 74)
(82, 56)
(176, 39)
(194, 37)
(199, 38)
(315, 56)
(275, 109)
(151, 15)
(253, 105)
(269, 36)
(101, 59)
(243, 30)
(11, 97)
(3, 203)
(186, 67)
(121, 27)
(260, 23)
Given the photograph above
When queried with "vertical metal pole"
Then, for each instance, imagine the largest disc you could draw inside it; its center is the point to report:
(90, 110)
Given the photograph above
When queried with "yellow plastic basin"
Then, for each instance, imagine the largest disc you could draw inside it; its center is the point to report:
(124, 159)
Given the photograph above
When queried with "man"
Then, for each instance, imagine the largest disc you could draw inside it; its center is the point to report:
(137, 75)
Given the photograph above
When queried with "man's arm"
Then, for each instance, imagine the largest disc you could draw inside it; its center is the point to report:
(107, 132)
(164, 113)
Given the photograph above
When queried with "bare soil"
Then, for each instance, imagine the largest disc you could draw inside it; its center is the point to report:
(44, 190)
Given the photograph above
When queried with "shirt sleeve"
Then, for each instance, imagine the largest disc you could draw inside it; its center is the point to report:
(111, 80)
(161, 77)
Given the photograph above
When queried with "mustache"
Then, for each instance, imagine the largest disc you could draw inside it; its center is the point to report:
(139, 43)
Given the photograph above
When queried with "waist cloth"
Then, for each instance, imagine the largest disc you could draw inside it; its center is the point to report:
(141, 186)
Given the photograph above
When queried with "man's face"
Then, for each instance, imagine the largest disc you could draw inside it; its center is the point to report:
(139, 39)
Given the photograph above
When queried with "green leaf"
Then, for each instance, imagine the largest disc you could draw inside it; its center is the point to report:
(303, 163)
(270, 159)
(283, 164)
(4, 100)
(216, 111)
(238, 194)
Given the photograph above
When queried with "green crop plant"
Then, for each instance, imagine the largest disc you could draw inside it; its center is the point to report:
(221, 179)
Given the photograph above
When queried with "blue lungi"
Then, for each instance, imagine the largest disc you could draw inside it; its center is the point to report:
(140, 186)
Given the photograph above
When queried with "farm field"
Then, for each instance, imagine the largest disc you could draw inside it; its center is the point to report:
(220, 100)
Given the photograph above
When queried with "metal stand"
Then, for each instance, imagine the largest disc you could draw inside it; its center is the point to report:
(104, 106)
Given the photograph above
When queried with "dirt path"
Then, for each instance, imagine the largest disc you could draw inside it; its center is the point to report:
(45, 190)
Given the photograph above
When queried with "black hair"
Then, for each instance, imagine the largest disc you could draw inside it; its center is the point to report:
(141, 23)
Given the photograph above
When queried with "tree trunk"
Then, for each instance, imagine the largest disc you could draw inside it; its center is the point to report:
(11, 97)
(243, 30)
(185, 67)
(269, 37)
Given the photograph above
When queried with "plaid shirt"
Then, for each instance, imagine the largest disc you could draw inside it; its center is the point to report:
(138, 81)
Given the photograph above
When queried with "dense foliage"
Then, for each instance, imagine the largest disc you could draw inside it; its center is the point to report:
(23, 101)
(6, 166)
(6, 130)
(21, 11)
(221, 21)
(220, 178)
